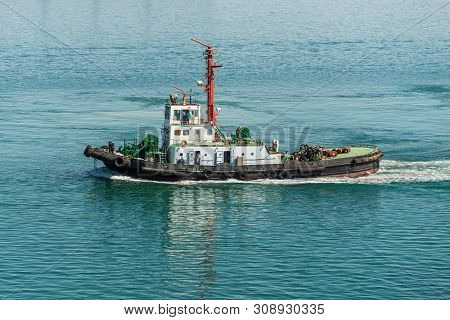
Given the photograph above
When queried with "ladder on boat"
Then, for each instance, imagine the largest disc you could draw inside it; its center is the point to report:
(162, 157)
(220, 133)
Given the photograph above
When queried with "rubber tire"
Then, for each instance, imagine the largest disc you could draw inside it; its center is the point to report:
(119, 162)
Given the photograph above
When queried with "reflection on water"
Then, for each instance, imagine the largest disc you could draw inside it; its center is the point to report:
(190, 232)
(254, 232)
(189, 235)
(185, 229)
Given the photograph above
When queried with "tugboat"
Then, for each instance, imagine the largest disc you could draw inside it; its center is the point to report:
(193, 147)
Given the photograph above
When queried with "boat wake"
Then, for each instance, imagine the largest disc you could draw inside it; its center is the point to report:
(391, 171)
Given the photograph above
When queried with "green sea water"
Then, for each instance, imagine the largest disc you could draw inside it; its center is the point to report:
(324, 72)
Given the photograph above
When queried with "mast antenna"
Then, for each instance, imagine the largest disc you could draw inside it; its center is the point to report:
(209, 86)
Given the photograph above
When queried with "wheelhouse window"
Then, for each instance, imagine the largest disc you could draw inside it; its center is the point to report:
(186, 116)
(197, 132)
(177, 114)
(209, 132)
(177, 132)
(185, 132)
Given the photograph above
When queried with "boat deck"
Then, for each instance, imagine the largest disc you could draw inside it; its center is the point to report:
(357, 152)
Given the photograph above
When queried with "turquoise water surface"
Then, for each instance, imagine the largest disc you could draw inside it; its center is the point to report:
(324, 72)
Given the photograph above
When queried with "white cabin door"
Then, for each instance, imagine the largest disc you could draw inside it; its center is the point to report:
(219, 157)
(191, 158)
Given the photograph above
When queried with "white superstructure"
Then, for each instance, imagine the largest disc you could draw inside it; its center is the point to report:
(190, 139)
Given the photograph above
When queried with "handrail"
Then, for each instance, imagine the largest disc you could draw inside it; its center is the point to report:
(221, 135)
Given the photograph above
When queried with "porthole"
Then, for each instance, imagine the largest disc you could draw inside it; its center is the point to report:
(253, 154)
(243, 154)
(181, 154)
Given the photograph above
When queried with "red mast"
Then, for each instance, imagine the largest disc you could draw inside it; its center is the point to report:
(209, 87)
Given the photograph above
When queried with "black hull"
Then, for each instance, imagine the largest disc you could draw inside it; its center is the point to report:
(139, 168)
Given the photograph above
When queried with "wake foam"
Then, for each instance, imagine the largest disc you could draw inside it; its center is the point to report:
(391, 171)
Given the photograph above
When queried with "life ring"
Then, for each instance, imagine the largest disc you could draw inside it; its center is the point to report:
(184, 143)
